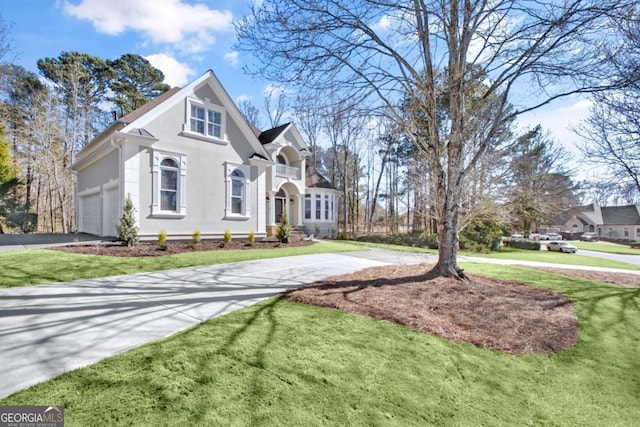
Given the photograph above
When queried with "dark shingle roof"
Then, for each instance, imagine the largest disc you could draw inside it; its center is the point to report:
(314, 179)
(620, 215)
(139, 112)
(271, 135)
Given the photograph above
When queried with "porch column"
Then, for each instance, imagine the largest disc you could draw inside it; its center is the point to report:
(271, 214)
(299, 207)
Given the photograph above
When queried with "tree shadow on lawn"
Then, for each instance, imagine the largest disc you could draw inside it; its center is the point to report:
(496, 314)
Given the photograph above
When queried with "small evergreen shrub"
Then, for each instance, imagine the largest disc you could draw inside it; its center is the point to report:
(196, 237)
(227, 237)
(251, 238)
(162, 240)
(284, 229)
(127, 230)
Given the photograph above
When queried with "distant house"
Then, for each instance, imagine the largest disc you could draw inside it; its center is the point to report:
(611, 222)
(190, 161)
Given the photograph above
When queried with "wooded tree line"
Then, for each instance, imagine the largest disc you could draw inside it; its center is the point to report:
(47, 118)
(451, 76)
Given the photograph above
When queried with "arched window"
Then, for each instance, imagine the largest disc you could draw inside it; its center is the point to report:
(169, 185)
(237, 192)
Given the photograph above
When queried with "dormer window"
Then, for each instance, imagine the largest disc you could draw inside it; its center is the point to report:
(205, 121)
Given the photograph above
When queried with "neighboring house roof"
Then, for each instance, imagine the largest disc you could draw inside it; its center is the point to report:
(620, 215)
(314, 180)
(270, 135)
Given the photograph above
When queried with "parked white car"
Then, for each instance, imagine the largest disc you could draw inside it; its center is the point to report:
(561, 247)
(550, 236)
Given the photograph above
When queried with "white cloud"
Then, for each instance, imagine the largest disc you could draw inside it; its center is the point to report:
(231, 57)
(175, 73)
(273, 90)
(160, 21)
(243, 97)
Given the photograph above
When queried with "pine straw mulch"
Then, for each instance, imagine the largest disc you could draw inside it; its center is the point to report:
(149, 249)
(496, 314)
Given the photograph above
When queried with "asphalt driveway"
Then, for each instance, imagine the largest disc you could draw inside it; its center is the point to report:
(47, 330)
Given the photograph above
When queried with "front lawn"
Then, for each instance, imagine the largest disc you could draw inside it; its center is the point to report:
(33, 266)
(282, 363)
(612, 248)
(518, 255)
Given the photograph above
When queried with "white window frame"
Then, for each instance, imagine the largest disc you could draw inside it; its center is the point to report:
(246, 191)
(181, 201)
(307, 207)
(208, 108)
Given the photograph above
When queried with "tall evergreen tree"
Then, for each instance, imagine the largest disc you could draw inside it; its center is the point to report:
(136, 82)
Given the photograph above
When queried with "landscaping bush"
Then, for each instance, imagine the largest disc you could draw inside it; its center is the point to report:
(24, 221)
(251, 238)
(227, 237)
(481, 236)
(525, 244)
(162, 240)
(196, 237)
(284, 229)
(127, 230)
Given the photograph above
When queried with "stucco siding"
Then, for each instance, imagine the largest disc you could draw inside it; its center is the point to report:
(205, 186)
(102, 171)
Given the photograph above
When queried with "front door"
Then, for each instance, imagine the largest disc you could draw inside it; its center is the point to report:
(280, 204)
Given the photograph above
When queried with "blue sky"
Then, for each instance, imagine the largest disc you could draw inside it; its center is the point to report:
(183, 38)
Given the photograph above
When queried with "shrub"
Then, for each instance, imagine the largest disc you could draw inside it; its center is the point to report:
(251, 238)
(525, 244)
(485, 233)
(24, 221)
(227, 237)
(196, 237)
(284, 229)
(162, 240)
(127, 230)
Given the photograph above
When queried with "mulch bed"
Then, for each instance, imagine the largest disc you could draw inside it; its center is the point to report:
(149, 249)
(495, 314)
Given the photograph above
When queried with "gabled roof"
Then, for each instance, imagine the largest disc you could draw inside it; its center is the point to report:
(313, 179)
(620, 215)
(270, 135)
(134, 123)
(144, 109)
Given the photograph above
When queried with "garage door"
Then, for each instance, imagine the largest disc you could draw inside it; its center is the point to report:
(111, 211)
(91, 212)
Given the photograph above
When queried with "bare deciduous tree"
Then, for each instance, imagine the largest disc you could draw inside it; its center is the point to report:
(374, 52)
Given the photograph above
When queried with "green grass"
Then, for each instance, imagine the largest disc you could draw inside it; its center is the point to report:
(280, 363)
(607, 247)
(44, 266)
(553, 257)
(519, 255)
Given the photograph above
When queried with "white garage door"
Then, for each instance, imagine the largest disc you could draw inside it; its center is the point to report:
(111, 211)
(91, 221)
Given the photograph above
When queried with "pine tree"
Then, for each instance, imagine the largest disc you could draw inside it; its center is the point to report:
(284, 229)
(127, 230)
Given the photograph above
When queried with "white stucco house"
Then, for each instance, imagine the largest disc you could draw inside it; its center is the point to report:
(190, 161)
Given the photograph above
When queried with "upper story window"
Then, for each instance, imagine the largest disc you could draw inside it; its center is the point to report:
(205, 120)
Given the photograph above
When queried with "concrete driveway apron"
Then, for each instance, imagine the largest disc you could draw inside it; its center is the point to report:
(47, 330)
